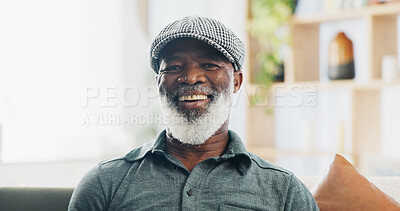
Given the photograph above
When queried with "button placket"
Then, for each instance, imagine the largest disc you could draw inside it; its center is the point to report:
(192, 185)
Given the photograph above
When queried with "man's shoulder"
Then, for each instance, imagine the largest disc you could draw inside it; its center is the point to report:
(133, 155)
(284, 183)
(125, 161)
(268, 167)
(281, 178)
(113, 166)
(139, 152)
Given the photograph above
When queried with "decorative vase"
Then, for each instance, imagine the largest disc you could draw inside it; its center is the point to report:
(341, 59)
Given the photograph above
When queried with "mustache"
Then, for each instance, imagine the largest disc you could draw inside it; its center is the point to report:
(197, 87)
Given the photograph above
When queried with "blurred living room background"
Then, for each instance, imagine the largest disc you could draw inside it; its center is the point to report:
(76, 85)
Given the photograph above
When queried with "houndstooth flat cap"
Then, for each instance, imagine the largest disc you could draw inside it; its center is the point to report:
(205, 29)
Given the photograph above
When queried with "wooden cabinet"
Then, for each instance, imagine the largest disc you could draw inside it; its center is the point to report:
(303, 67)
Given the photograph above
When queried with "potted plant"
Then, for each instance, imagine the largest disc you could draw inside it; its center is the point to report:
(268, 20)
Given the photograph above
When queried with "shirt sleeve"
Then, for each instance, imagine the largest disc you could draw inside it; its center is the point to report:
(89, 194)
(299, 197)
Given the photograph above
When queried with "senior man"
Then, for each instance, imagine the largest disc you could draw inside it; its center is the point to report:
(196, 163)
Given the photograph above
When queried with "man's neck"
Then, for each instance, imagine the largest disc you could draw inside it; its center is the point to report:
(191, 155)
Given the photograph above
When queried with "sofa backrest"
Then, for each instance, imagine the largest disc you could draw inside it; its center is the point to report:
(29, 198)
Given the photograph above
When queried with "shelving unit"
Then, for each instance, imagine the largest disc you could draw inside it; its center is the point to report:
(303, 68)
(382, 39)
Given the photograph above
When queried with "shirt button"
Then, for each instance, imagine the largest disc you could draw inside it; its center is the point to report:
(189, 192)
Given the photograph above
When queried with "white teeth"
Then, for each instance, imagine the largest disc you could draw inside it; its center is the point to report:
(192, 97)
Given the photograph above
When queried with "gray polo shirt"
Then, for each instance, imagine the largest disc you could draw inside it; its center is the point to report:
(148, 178)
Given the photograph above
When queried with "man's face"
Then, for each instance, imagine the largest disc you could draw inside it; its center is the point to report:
(192, 63)
(195, 83)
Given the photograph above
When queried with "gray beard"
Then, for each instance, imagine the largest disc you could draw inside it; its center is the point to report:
(193, 128)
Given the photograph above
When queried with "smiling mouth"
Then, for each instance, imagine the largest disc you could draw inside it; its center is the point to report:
(192, 98)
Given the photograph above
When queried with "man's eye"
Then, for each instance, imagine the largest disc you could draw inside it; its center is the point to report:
(172, 68)
(210, 66)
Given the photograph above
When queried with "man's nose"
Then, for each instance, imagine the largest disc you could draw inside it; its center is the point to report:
(192, 75)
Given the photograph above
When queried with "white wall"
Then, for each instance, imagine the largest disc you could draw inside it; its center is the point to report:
(52, 50)
(56, 53)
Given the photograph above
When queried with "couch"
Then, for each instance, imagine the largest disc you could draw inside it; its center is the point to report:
(341, 188)
(32, 199)
(21, 199)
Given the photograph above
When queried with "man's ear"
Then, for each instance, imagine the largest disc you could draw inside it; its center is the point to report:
(237, 80)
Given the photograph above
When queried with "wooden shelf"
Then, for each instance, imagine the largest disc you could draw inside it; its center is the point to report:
(354, 85)
(328, 17)
(375, 10)
(332, 85)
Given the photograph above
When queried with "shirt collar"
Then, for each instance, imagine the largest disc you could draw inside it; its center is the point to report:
(158, 144)
(236, 150)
